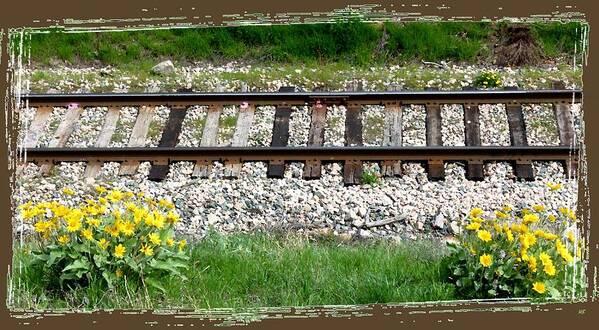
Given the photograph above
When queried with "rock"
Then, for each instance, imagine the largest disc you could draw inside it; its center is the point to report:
(455, 228)
(365, 233)
(345, 237)
(420, 225)
(385, 200)
(323, 231)
(362, 211)
(358, 223)
(164, 67)
(212, 218)
(439, 221)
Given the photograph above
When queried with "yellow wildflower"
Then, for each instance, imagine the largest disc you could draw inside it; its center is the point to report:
(102, 200)
(93, 222)
(484, 235)
(476, 212)
(532, 263)
(158, 220)
(119, 251)
(25, 206)
(539, 287)
(477, 220)
(551, 218)
(565, 254)
(549, 269)
(520, 228)
(530, 218)
(68, 191)
(115, 195)
(554, 186)
(131, 207)
(103, 243)
(147, 250)
(538, 208)
(570, 236)
(63, 239)
(139, 214)
(506, 208)
(182, 244)
(87, 233)
(73, 224)
(42, 226)
(500, 215)
(165, 203)
(100, 189)
(119, 273)
(545, 258)
(128, 228)
(112, 230)
(486, 260)
(154, 238)
(497, 228)
(60, 210)
(510, 236)
(539, 233)
(128, 195)
(172, 217)
(473, 226)
(567, 212)
(527, 240)
(550, 236)
(170, 241)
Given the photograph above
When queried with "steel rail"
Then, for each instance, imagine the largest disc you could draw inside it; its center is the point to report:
(307, 98)
(167, 155)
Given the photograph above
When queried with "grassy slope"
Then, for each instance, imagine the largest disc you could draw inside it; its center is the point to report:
(353, 43)
(258, 270)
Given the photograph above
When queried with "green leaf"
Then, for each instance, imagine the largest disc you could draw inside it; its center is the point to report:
(99, 260)
(54, 257)
(109, 278)
(155, 283)
(504, 287)
(66, 276)
(77, 264)
(169, 266)
(553, 292)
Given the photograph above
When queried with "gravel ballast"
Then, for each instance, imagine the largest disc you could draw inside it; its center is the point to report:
(410, 205)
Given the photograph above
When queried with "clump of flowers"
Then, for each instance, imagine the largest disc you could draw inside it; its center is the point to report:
(531, 252)
(112, 237)
(487, 80)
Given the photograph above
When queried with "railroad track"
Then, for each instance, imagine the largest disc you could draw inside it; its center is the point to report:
(390, 154)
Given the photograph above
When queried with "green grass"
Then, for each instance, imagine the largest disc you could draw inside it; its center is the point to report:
(258, 270)
(370, 178)
(353, 43)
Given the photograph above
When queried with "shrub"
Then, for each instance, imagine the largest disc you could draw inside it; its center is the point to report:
(113, 237)
(487, 80)
(531, 252)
